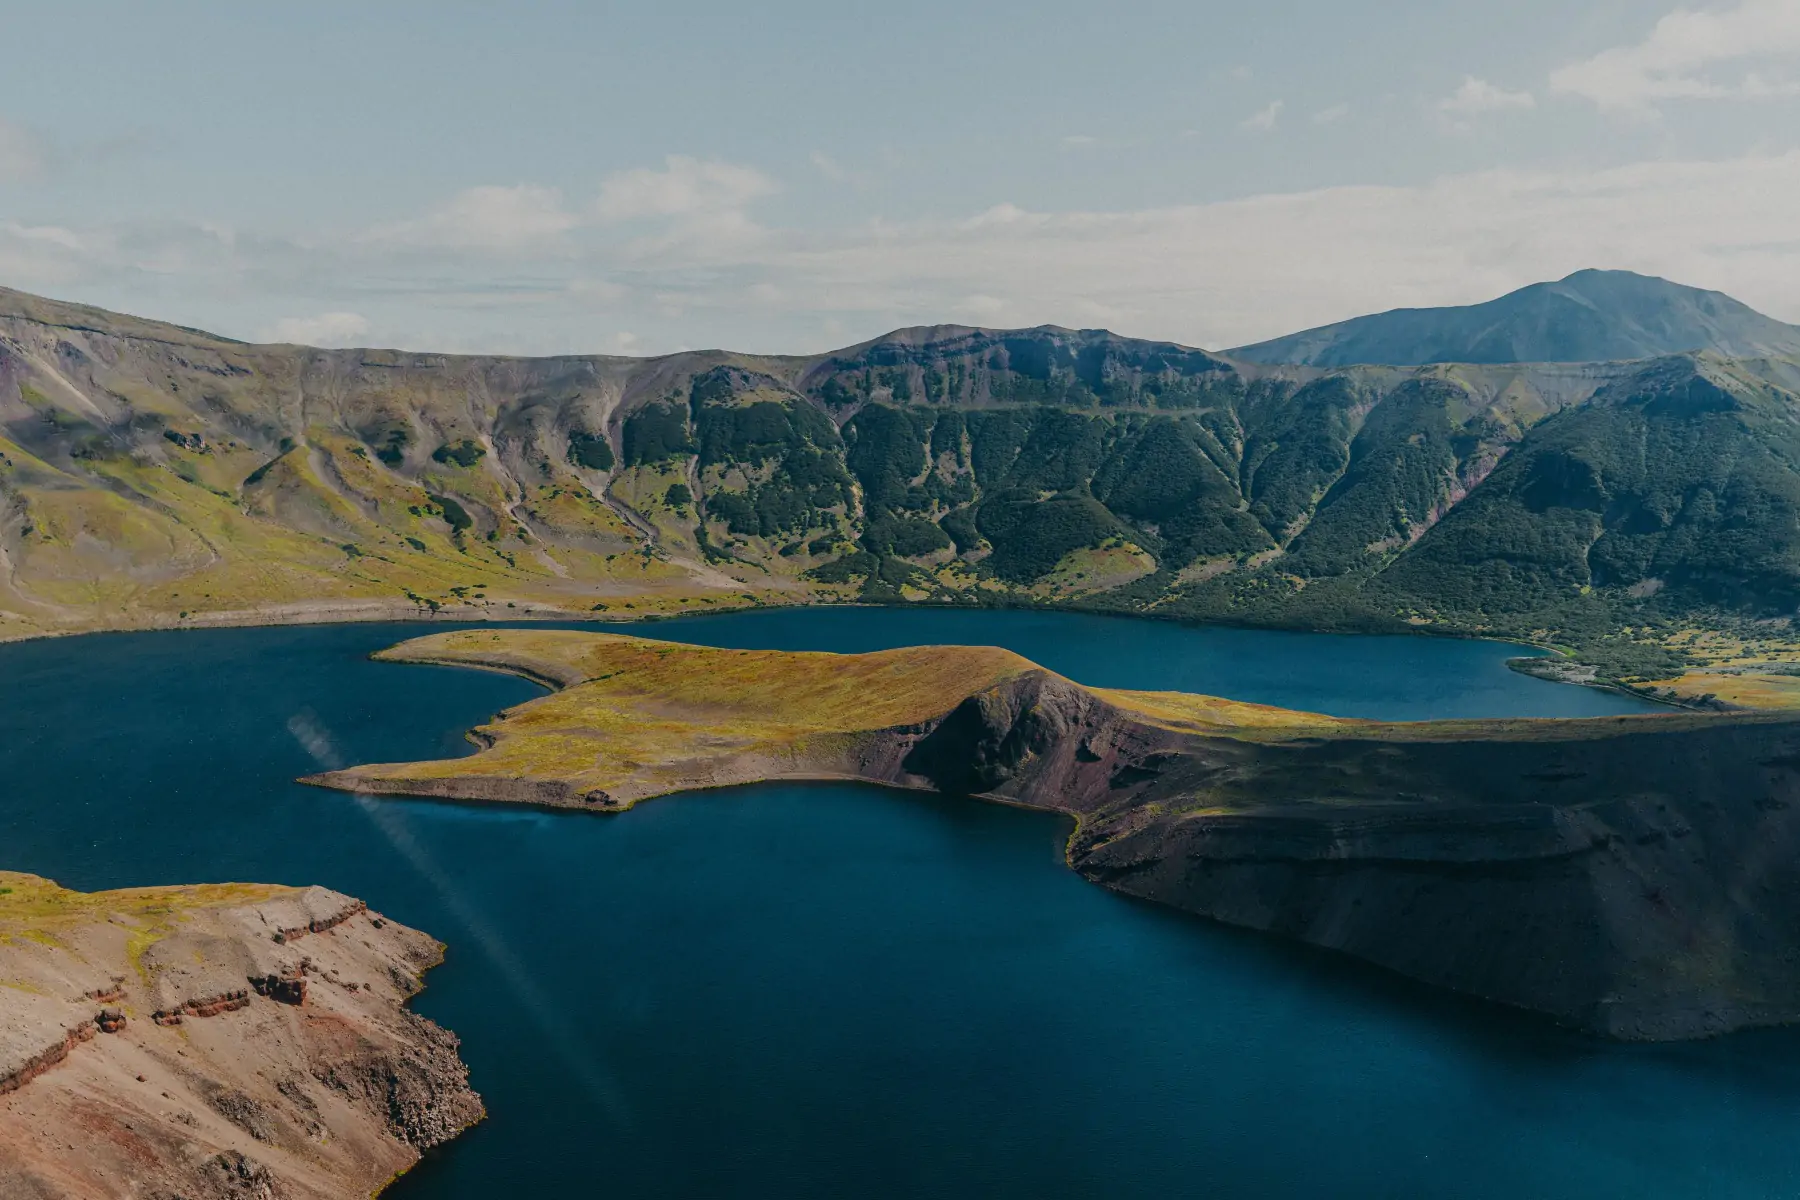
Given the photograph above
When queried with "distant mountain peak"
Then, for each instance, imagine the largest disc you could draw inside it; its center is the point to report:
(1592, 315)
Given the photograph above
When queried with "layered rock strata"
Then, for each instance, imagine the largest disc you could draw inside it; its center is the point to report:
(222, 1041)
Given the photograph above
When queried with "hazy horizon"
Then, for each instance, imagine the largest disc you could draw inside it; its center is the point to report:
(594, 178)
(577, 352)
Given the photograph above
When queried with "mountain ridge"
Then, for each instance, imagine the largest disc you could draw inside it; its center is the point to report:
(1317, 348)
(152, 476)
(1589, 316)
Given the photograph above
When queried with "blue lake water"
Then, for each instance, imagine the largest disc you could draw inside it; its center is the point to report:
(823, 991)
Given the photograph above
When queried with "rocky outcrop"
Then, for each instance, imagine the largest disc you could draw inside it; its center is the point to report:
(256, 1044)
(208, 1006)
(25, 1067)
(548, 793)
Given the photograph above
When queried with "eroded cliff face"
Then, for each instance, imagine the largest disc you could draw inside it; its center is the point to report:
(1639, 884)
(1635, 878)
(1632, 876)
(215, 1042)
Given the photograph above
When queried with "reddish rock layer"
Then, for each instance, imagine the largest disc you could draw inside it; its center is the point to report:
(259, 1087)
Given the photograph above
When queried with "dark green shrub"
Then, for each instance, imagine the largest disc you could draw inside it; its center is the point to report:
(960, 525)
(656, 432)
(392, 449)
(590, 450)
(455, 514)
(1030, 536)
(465, 453)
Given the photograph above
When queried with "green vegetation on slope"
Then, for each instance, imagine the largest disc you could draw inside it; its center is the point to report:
(1604, 508)
(590, 450)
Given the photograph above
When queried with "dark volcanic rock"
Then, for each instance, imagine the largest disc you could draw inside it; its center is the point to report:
(1640, 885)
(1637, 878)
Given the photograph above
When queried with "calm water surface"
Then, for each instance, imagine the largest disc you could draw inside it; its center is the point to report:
(827, 991)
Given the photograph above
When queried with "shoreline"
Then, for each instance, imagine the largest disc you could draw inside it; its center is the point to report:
(1554, 675)
(409, 613)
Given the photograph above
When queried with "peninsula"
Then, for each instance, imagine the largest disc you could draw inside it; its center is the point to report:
(231, 1040)
(1630, 876)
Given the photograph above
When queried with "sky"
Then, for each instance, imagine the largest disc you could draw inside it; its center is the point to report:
(792, 176)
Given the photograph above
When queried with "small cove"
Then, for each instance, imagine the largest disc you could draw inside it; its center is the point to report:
(827, 990)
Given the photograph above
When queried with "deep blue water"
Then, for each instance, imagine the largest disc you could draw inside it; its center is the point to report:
(822, 991)
(1389, 678)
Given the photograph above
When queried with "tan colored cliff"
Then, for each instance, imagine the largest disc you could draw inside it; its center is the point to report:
(214, 1041)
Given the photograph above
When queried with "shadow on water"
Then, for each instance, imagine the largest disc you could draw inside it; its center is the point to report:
(1499, 1034)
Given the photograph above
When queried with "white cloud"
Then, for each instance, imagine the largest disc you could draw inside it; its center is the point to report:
(1006, 213)
(1327, 116)
(54, 255)
(1232, 272)
(684, 187)
(1263, 119)
(599, 292)
(980, 307)
(689, 203)
(1479, 96)
(1694, 56)
(837, 172)
(1076, 141)
(1215, 274)
(54, 235)
(325, 329)
(21, 157)
(487, 218)
(46, 256)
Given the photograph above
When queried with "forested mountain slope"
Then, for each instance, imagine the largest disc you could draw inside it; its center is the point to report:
(1590, 316)
(153, 475)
